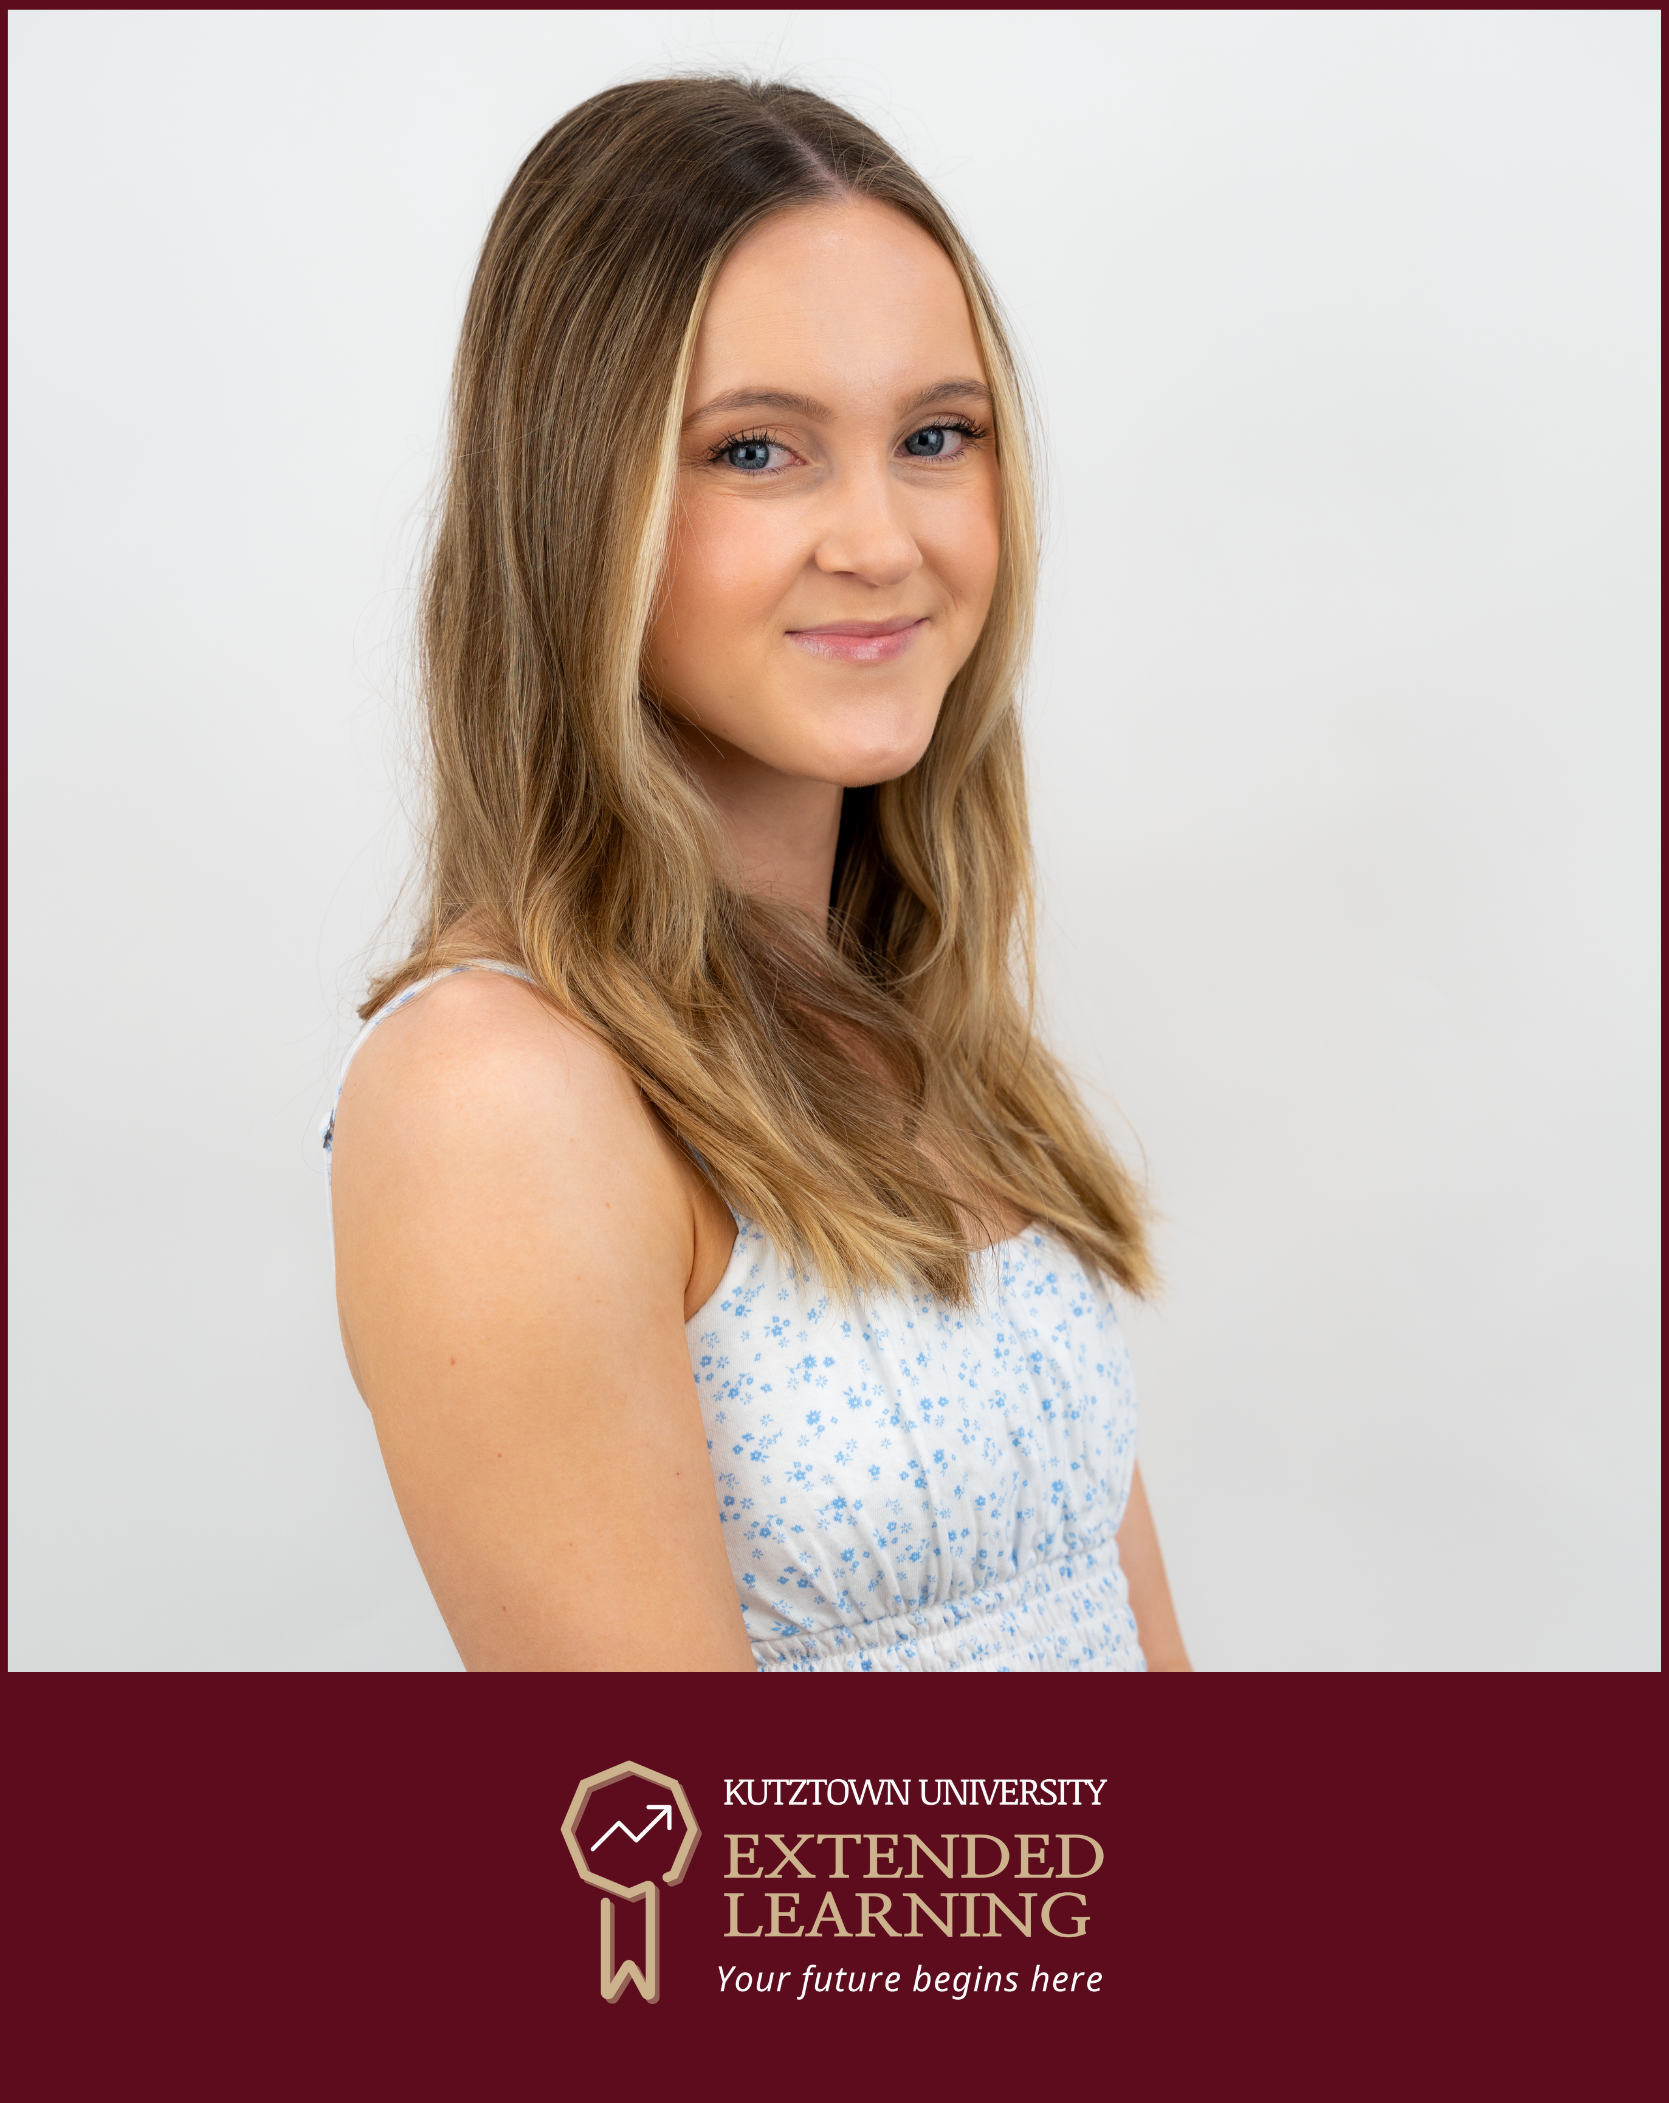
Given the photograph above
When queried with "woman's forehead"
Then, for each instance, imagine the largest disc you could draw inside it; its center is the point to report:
(832, 300)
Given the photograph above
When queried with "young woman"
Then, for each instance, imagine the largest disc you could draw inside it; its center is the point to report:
(711, 1056)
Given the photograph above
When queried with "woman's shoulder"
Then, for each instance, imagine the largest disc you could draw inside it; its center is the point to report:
(479, 1114)
(481, 1076)
(488, 1043)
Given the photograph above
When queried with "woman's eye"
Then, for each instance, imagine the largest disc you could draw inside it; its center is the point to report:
(753, 455)
(936, 442)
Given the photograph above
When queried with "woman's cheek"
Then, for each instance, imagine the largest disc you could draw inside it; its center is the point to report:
(756, 558)
(721, 583)
(971, 548)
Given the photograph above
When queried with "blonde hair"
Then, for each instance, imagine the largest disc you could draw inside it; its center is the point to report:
(568, 835)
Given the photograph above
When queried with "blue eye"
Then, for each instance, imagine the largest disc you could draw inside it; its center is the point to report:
(945, 441)
(751, 455)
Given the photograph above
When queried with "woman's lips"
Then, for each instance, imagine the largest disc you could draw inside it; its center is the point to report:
(859, 642)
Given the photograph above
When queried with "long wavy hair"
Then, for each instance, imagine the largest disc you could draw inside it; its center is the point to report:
(836, 1084)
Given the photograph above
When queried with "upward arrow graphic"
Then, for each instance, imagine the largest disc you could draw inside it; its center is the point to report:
(620, 1826)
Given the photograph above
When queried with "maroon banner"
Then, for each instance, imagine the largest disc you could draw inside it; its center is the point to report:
(1346, 1887)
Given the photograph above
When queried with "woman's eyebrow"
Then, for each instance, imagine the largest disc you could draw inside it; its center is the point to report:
(804, 405)
(760, 398)
(947, 391)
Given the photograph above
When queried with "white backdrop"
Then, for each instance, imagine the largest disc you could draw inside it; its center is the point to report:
(1341, 739)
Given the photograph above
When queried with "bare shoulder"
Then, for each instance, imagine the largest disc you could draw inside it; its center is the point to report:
(480, 1050)
(478, 1122)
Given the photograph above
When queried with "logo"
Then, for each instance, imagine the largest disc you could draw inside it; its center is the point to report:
(620, 1826)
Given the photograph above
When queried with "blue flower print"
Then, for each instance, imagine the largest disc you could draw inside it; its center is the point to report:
(998, 1550)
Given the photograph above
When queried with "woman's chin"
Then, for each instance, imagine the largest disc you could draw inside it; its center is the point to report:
(870, 770)
(863, 762)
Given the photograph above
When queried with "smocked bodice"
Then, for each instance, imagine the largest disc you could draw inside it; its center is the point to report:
(914, 1487)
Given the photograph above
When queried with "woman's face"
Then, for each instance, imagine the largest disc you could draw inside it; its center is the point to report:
(835, 548)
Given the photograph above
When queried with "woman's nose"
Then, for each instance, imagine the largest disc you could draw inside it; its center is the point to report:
(864, 535)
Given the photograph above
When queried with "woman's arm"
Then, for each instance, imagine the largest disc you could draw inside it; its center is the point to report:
(1150, 1593)
(515, 1239)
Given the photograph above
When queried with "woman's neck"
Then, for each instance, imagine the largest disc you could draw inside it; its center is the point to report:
(781, 829)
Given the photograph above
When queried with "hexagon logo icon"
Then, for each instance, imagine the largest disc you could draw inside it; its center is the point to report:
(621, 1826)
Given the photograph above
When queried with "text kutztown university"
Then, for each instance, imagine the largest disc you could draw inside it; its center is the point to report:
(781, 1793)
